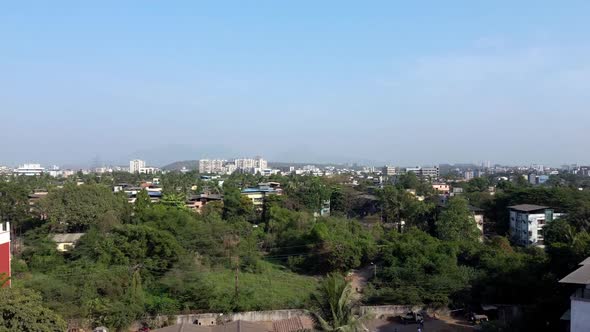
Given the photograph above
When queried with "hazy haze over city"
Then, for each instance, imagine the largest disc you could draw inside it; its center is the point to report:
(452, 81)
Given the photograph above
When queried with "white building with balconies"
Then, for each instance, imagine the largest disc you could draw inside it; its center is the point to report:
(29, 170)
(527, 222)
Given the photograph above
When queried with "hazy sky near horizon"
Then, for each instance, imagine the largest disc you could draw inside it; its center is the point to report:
(415, 82)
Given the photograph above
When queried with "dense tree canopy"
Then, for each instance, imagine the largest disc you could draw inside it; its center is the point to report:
(75, 208)
(22, 310)
(160, 258)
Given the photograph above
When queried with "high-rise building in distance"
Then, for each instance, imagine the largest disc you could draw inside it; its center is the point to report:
(135, 165)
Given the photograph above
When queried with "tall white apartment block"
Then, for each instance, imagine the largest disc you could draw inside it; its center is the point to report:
(212, 166)
(251, 165)
(135, 165)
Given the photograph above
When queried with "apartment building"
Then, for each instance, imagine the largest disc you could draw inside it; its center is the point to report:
(389, 170)
(29, 170)
(135, 165)
(527, 222)
(211, 166)
(431, 173)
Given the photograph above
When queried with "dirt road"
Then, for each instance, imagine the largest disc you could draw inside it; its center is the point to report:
(360, 278)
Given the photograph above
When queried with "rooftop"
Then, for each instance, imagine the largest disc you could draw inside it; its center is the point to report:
(235, 326)
(475, 209)
(256, 190)
(67, 238)
(580, 276)
(527, 207)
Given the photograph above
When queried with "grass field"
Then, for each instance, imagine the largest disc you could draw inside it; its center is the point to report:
(272, 288)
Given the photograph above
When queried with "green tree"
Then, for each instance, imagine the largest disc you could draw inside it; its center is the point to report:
(177, 200)
(22, 310)
(399, 205)
(14, 205)
(417, 268)
(335, 306)
(408, 181)
(456, 223)
(75, 208)
(152, 249)
(142, 201)
(235, 205)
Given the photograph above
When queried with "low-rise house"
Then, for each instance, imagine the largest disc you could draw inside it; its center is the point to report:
(527, 222)
(197, 202)
(258, 194)
(456, 191)
(442, 188)
(66, 241)
(579, 313)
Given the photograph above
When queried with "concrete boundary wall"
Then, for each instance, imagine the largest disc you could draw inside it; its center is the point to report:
(275, 315)
(250, 316)
(387, 310)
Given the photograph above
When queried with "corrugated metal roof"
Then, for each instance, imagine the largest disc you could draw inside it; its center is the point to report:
(293, 324)
(235, 326)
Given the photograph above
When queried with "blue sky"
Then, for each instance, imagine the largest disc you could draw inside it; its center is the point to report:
(417, 82)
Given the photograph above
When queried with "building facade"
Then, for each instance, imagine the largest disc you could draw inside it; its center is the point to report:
(211, 166)
(135, 165)
(5, 254)
(527, 222)
(29, 170)
(389, 170)
(579, 313)
(149, 170)
(431, 173)
(441, 188)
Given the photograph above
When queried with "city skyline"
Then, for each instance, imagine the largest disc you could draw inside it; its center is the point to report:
(140, 162)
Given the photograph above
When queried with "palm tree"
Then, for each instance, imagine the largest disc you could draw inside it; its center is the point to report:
(335, 306)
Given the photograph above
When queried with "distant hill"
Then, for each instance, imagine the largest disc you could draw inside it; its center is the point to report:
(178, 165)
(282, 165)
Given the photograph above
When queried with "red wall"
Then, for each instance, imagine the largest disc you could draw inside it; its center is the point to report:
(5, 260)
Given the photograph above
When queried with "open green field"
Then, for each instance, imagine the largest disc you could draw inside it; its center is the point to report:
(272, 288)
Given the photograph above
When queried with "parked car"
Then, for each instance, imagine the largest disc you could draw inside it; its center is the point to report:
(477, 318)
(412, 318)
